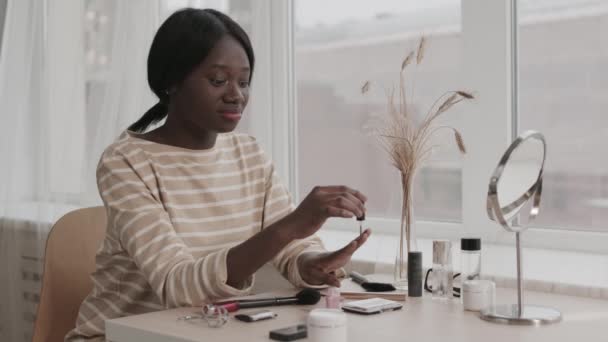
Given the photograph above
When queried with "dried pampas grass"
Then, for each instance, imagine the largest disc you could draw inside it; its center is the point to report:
(408, 143)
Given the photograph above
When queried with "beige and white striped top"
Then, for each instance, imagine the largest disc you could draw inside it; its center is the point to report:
(173, 214)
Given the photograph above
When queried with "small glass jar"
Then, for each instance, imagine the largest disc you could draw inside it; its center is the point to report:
(333, 298)
(470, 259)
(442, 283)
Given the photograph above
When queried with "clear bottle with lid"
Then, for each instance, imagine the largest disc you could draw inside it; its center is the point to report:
(470, 260)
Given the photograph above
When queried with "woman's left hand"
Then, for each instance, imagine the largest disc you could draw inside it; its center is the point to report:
(319, 268)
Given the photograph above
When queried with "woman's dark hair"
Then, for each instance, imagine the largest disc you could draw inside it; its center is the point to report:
(181, 43)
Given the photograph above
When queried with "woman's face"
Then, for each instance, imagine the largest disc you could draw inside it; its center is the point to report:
(213, 96)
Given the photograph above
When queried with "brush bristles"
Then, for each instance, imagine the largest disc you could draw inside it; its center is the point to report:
(308, 297)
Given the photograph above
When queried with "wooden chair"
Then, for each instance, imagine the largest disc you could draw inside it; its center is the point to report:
(68, 263)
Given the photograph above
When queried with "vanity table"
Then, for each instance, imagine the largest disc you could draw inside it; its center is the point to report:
(421, 319)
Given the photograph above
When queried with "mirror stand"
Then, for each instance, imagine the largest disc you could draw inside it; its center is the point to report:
(519, 313)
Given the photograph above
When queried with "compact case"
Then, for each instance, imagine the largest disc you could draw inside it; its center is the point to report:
(371, 306)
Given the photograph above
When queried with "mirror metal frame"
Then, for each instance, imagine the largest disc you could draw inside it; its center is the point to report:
(518, 313)
(495, 211)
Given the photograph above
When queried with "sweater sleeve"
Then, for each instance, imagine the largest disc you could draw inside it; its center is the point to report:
(277, 204)
(128, 187)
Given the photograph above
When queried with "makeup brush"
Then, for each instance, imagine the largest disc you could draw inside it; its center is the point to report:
(370, 286)
(304, 297)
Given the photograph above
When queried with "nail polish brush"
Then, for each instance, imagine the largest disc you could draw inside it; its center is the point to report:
(361, 219)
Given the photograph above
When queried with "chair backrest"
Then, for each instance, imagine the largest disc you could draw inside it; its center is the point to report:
(69, 261)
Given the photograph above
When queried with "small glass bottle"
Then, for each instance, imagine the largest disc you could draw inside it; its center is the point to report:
(442, 270)
(470, 259)
(470, 262)
(333, 298)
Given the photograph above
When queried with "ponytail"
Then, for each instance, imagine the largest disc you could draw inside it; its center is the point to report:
(158, 112)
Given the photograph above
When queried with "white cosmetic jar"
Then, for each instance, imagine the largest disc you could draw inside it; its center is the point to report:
(326, 325)
(478, 294)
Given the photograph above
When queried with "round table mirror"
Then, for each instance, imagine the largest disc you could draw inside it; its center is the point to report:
(513, 201)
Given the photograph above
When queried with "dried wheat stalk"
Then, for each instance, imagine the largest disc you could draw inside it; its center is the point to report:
(406, 143)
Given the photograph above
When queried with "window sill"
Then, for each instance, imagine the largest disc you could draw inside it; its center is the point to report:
(545, 270)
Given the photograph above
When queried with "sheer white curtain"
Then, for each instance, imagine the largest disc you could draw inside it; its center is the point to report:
(72, 77)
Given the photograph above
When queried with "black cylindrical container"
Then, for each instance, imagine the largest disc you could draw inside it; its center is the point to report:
(414, 274)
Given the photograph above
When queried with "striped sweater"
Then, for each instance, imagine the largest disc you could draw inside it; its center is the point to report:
(173, 214)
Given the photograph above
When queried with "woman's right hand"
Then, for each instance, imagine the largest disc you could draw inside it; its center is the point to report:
(322, 203)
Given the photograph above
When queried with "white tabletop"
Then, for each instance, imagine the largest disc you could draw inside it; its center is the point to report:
(421, 319)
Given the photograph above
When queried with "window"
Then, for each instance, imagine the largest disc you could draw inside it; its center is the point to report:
(336, 51)
(308, 112)
(562, 71)
(563, 76)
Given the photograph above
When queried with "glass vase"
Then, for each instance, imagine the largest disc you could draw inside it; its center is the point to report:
(407, 229)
